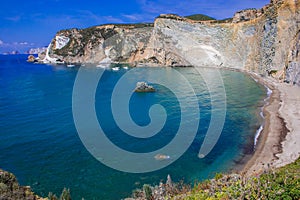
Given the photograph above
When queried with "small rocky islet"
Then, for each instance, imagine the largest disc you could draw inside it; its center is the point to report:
(144, 87)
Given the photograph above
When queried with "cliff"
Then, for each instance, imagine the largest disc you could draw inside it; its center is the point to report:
(11, 190)
(265, 41)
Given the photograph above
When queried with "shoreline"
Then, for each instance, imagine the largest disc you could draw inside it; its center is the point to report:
(278, 143)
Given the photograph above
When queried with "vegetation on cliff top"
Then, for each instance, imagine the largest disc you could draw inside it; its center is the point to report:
(11, 190)
(282, 183)
(200, 17)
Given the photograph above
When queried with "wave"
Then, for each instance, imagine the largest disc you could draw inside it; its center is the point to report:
(266, 102)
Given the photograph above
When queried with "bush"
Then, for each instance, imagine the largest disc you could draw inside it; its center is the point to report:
(65, 195)
(148, 191)
(200, 17)
(282, 183)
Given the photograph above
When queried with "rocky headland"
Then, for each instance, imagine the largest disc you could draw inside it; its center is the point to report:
(264, 41)
(11, 190)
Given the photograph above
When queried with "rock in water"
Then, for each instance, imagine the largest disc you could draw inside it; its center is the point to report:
(31, 58)
(144, 87)
(161, 157)
(10, 188)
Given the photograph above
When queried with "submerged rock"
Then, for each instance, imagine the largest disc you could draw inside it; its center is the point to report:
(161, 157)
(144, 87)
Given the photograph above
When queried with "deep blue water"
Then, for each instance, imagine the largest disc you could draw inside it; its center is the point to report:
(40, 144)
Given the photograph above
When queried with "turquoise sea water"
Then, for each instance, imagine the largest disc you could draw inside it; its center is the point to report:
(40, 145)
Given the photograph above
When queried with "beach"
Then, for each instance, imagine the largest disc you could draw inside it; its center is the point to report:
(279, 141)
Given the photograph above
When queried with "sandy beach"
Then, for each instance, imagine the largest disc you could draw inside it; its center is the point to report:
(279, 142)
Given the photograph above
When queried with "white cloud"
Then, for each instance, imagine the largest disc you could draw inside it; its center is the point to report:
(111, 19)
(90, 15)
(16, 44)
(132, 17)
(23, 43)
(14, 18)
(136, 18)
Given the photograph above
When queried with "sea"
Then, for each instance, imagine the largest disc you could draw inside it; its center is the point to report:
(42, 144)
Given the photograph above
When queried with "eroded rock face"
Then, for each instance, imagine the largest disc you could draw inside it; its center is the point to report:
(260, 40)
(246, 15)
(293, 66)
(61, 41)
(95, 44)
(11, 190)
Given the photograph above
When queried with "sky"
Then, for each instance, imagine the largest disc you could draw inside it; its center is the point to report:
(30, 24)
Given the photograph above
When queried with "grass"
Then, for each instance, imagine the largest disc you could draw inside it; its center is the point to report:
(276, 184)
(282, 183)
(200, 17)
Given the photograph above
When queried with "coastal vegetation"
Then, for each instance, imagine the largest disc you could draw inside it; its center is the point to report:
(10, 189)
(281, 183)
(200, 17)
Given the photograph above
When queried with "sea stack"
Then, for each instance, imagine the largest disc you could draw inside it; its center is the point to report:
(144, 87)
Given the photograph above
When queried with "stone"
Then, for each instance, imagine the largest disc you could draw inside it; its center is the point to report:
(31, 58)
(169, 180)
(245, 15)
(11, 190)
(161, 157)
(144, 87)
(259, 40)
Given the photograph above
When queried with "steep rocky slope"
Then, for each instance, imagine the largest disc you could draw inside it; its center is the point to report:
(105, 43)
(265, 41)
(11, 190)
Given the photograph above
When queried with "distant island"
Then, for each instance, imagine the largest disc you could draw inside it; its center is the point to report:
(37, 50)
(15, 52)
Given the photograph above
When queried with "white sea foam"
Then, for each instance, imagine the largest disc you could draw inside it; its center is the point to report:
(102, 66)
(269, 91)
(115, 68)
(266, 102)
(258, 132)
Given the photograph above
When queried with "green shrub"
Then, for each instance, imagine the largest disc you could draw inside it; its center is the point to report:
(200, 17)
(148, 191)
(65, 195)
(282, 183)
(218, 176)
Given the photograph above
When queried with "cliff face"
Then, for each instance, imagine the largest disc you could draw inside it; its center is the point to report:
(105, 43)
(264, 41)
(11, 190)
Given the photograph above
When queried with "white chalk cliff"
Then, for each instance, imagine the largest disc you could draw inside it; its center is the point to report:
(264, 41)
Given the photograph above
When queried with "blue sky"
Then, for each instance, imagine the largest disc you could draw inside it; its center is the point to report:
(26, 24)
